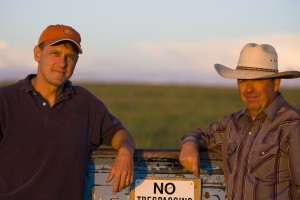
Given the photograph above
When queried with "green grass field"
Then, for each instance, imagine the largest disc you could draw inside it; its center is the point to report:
(157, 116)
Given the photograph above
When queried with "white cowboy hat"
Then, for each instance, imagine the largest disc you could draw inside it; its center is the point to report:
(256, 62)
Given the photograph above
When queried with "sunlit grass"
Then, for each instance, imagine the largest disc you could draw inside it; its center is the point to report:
(158, 115)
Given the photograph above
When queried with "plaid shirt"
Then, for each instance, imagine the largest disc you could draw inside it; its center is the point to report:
(261, 157)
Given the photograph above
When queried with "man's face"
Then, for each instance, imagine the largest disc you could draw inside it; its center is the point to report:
(257, 94)
(56, 63)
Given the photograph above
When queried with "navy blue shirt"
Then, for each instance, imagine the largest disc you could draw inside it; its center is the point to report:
(43, 149)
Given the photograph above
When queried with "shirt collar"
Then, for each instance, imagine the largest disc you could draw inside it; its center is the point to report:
(27, 86)
(26, 83)
(270, 111)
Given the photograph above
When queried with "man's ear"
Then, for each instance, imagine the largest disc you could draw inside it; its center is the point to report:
(277, 84)
(37, 53)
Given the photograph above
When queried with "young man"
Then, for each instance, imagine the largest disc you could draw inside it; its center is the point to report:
(48, 127)
(259, 144)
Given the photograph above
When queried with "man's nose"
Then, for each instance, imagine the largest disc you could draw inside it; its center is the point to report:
(63, 61)
(249, 86)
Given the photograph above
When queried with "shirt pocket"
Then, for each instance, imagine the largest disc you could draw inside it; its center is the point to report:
(231, 156)
(263, 162)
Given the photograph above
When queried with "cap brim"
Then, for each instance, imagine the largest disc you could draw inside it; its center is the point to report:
(251, 74)
(54, 41)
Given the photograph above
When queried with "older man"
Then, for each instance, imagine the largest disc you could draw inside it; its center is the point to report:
(259, 144)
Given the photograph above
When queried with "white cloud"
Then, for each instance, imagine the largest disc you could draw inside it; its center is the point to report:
(15, 56)
(197, 58)
(172, 61)
(201, 55)
(3, 44)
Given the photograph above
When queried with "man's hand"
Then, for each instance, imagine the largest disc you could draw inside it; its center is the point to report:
(122, 170)
(189, 157)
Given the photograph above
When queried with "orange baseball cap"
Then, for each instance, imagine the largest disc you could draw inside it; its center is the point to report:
(57, 33)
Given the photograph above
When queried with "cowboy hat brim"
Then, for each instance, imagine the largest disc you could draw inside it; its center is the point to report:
(253, 74)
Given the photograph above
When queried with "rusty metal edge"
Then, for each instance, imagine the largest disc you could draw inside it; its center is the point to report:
(154, 153)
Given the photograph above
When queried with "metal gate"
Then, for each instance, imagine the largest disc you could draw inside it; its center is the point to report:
(156, 168)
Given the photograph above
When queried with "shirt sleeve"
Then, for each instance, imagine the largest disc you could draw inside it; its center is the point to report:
(0, 133)
(105, 126)
(1, 112)
(209, 137)
(294, 158)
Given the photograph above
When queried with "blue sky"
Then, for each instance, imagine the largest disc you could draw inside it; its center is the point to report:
(152, 41)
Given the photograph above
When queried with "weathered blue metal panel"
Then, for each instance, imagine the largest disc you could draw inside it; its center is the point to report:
(153, 163)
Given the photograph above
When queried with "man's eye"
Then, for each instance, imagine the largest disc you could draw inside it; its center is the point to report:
(54, 53)
(241, 81)
(71, 57)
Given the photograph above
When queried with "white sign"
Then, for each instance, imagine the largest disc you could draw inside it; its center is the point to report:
(148, 189)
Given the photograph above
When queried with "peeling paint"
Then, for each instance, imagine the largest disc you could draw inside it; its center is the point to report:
(153, 163)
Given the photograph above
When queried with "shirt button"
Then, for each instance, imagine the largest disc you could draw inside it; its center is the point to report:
(44, 103)
(250, 133)
(263, 153)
